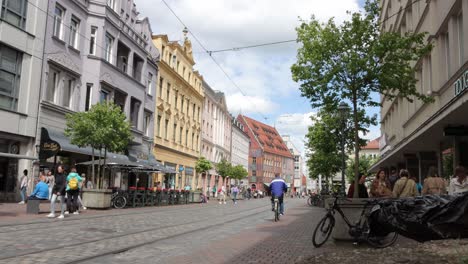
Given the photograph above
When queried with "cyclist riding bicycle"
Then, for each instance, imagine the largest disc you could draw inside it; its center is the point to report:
(278, 188)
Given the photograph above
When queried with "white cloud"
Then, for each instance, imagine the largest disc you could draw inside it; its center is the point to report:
(296, 126)
(238, 103)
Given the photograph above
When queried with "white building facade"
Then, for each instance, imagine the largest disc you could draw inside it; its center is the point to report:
(298, 163)
(216, 134)
(240, 147)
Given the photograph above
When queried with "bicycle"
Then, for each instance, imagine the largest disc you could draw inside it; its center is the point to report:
(119, 199)
(314, 200)
(276, 209)
(360, 231)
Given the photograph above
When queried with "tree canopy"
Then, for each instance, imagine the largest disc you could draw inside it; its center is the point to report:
(354, 62)
(203, 165)
(224, 168)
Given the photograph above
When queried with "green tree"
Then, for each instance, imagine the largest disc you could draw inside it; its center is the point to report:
(224, 168)
(353, 62)
(324, 144)
(103, 127)
(238, 172)
(202, 166)
(365, 163)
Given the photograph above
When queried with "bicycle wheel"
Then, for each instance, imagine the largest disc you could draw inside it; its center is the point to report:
(120, 202)
(309, 201)
(323, 230)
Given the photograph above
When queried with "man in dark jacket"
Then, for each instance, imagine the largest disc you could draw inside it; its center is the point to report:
(277, 188)
(58, 191)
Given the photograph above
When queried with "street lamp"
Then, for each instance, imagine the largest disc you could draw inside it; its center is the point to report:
(343, 110)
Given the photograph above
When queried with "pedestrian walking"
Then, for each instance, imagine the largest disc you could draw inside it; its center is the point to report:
(214, 191)
(80, 199)
(73, 191)
(234, 192)
(459, 183)
(433, 184)
(405, 186)
(222, 195)
(380, 186)
(249, 193)
(60, 181)
(24, 182)
(50, 182)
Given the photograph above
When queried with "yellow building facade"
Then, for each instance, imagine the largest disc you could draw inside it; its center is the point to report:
(179, 105)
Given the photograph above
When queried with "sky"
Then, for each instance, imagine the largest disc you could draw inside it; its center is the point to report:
(263, 89)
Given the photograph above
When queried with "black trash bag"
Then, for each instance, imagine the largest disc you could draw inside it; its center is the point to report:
(422, 218)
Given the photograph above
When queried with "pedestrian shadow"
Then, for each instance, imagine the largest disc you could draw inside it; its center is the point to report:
(8, 214)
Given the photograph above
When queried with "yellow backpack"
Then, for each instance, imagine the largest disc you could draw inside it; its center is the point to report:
(73, 184)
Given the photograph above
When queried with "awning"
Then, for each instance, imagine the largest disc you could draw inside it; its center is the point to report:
(16, 156)
(114, 160)
(65, 144)
(267, 184)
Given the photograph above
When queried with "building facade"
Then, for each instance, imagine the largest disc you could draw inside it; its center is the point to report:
(97, 51)
(216, 135)
(298, 164)
(415, 135)
(179, 105)
(268, 154)
(22, 27)
(240, 143)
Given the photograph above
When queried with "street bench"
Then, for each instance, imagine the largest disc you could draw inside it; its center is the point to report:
(32, 206)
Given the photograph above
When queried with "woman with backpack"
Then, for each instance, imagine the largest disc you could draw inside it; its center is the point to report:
(73, 190)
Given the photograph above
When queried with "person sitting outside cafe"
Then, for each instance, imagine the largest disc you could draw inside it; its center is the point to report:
(459, 183)
(380, 187)
(433, 184)
(41, 191)
(362, 190)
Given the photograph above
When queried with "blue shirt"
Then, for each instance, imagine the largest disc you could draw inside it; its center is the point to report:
(41, 191)
(278, 187)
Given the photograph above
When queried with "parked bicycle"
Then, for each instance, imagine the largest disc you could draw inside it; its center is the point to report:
(119, 199)
(314, 200)
(360, 231)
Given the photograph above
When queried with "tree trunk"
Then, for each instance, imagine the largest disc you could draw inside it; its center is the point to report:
(104, 165)
(99, 168)
(93, 176)
(356, 145)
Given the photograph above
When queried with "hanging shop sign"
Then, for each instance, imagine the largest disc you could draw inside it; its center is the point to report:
(48, 147)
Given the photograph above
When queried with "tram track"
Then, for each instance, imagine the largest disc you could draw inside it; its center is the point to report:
(135, 233)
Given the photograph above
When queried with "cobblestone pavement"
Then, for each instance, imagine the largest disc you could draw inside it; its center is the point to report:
(208, 233)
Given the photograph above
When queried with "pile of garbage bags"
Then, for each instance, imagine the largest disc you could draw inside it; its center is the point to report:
(422, 218)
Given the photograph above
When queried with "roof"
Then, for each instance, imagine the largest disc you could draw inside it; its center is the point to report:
(268, 137)
(373, 144)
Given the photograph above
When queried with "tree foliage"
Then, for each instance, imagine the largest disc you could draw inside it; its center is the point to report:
(104, 127)
(203, 165)
(238, 172)
(365, 163)
(355, 61)
(224, 168)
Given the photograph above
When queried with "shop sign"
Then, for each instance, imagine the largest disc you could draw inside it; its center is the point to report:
(48, 147)
(461, 84)
(170, 165)
(181, 168)
(188, 171)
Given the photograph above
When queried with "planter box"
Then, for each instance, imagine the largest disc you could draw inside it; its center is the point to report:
(352, 210)
(95, 198)
(195, 197)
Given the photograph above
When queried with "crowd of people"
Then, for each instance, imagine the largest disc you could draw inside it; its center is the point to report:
(66, 188)
(402, 184)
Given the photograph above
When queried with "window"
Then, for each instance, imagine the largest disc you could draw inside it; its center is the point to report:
(147, 123)
(158, 126)
(193, 141)
(186, 138)
(92, 41)
(10, 70)
(254, 160)
(460, 38)
(182, 104)
(188, 104)
(67, 92)
(104, 96)
(176, 96)
(161, 81)
(137, 67)
(183, 72)
(193, 112)
(150, 83)
(168, 92)
(134, 112)
(74, 29)
(166, 136)
(177, 69)
(89, 90)
(174, 132)
(197, 140)
(254, 173)
(198, 113)
(58, 21)
(14, 12)
(181, 131)
(189, 77)
(52, 83)
(108, 48)
(111, 3)
(446, 52)
(170, 59)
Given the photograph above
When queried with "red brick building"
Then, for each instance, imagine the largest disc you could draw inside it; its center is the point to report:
(268, 154)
